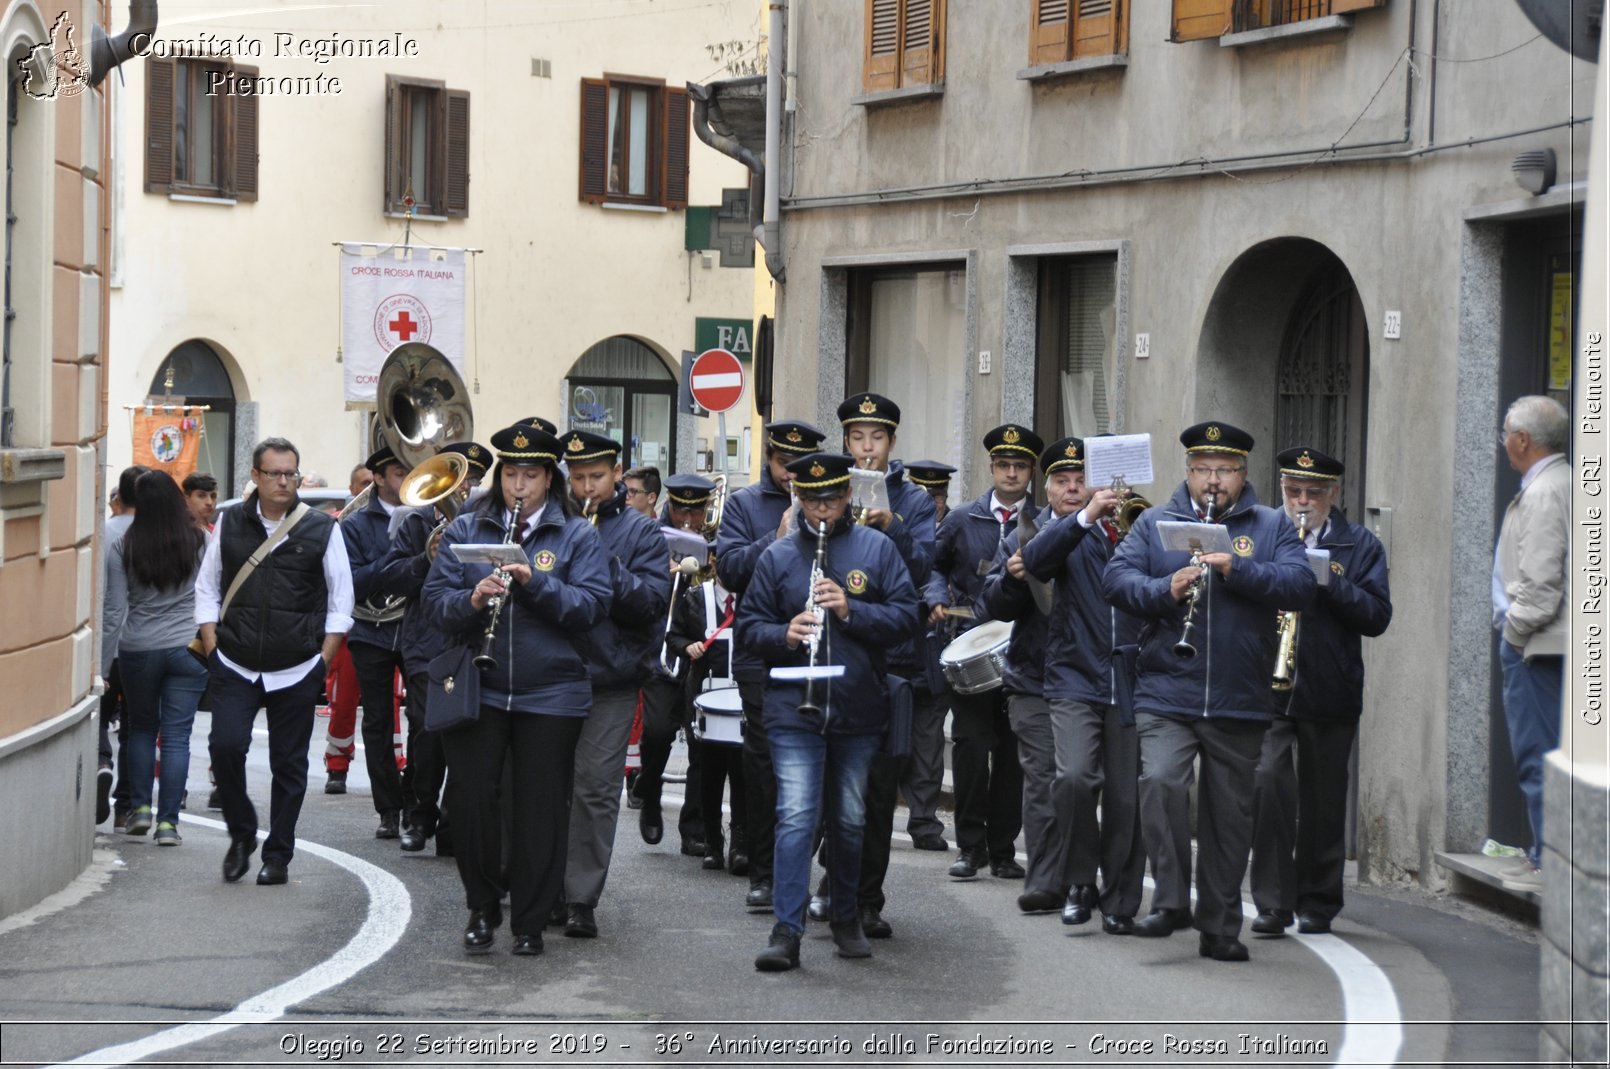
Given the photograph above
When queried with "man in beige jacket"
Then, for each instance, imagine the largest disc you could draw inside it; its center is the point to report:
(1529, 602)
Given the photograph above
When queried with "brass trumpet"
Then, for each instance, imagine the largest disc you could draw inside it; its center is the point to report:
(1285, 675)
(1130, 506)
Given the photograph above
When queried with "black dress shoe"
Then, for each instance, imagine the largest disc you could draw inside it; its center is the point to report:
(759, 896)
(334, 783)
(781, 953)
(1272, 922)
(527, 946)
(272, 874)
(238, 859)
(1160, 923)
(850, 939)
(1076, 910)
(873, 924)
(389, 826)
(1006, 869)
(693, 847)
(1038, 901)
(1222, 948)
(413, 838)
(1117, 924)
(713, 862)
(579, 924)
(965, 867)
(650, 825)
(818, 907)
(478, 932)
(1312, 922)
(929, 842)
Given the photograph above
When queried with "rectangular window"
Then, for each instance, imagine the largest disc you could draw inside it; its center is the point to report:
(1061, 30)
(634, 142)
(1076, 327)
(427, 148)
(904, 44)
(1196, 20)
(908, 341)
(201, 134)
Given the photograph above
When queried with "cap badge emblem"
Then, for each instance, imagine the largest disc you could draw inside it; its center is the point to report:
(794, 436)
(1305, 461)
(1011, 436)
(868, 406)
(817, 471)
(1072, 451)
(521, 441)
(1213, 433)
(576, 445)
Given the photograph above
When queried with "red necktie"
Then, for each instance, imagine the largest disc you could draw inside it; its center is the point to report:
(1006, 514)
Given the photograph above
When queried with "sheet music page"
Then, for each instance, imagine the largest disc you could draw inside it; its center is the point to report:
(1129, 455)
(1194, 537)
(496, 553)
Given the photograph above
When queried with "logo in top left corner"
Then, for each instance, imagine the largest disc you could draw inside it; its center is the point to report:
(55, 69)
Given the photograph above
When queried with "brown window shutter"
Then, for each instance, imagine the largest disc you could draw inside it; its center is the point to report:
(921, 39)
(594, 130)
(1342, 7)
(1199, 20)
(243, 130)
(458, 153)
(1094, 28)
(158, 125)
(880, 68)
(1048, 32)
(391, 194)
(675, 156)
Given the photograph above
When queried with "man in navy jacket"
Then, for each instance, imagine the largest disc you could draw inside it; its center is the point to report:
(1306, 807)
(1217, 703)
(751, 521)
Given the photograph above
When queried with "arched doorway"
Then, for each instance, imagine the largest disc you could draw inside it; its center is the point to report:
(621, 388)
(194, 372)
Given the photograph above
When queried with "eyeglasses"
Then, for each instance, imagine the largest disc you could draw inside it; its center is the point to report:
(1215, 473)
(280, 476)
(1311, 492)
(632, 491)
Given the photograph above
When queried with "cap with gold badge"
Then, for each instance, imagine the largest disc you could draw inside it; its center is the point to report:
(869, 408)
(794, 436)
(1014, 440)
(1216, 436)
(1306, 462)
(1062, 455)
(525, 444)
(821, 474)
(478, 455)
(689, 491)
(581, 446)
(931, 475)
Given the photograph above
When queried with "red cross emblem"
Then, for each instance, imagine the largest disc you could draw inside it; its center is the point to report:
(403, 326)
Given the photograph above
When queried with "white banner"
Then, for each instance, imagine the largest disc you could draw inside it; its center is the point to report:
(391, 295)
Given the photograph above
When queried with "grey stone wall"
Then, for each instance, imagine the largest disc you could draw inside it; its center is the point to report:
(1576, 907)
(47, 781)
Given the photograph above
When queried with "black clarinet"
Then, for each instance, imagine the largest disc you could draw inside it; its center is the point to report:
(484, 660)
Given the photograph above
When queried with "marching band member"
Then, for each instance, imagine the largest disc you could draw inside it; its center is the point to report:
(755, 517)
(824, 733)
(403, 574)
(1306, 808)
(1097, 754)
(1216, 705)
(341, 688)
(925, 770)
(984, 762)
(619, 651)
(536, 699)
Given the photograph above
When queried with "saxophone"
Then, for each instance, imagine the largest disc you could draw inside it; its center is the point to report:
(1286, 627)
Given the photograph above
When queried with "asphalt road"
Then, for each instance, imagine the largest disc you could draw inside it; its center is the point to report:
(337, 959)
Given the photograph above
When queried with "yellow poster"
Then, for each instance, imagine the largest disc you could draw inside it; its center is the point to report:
(168, 441)
(1560, 332)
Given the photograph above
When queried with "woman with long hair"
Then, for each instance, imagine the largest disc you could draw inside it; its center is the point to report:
(538, 693)
(150, 620)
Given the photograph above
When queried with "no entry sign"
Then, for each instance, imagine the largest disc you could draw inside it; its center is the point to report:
(717, 380)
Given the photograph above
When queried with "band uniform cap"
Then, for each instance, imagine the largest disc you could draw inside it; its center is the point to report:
(380, 458)
(1306, 462)
(585, 445)
(794, 436)
(869, 408)
(1216, 436)
(821, 474)
(477, 455)
(546, 425)
(525, 444)
(1062, 454)
(929, 474)
(689, 490)
(1014, 440)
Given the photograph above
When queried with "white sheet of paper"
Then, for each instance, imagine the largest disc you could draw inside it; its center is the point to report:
(498, 553)
(805, 671)
(868, 489)
(1319, 560)
(686, 544)
(1194, 537)
(1129, 455)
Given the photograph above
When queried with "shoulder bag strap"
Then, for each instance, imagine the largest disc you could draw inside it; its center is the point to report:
(262, 551)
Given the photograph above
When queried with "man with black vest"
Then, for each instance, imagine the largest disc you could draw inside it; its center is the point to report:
(273, 602)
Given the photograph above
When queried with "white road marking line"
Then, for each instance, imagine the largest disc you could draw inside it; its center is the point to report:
(389, 911)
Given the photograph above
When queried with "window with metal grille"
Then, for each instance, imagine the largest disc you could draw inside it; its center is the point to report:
(1077, 320)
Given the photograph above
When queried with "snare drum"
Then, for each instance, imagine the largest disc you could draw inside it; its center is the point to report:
(976, 660)
(719, 717)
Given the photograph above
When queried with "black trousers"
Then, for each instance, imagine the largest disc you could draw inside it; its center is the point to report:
(882, 794)
(665, 712)
(290, 725)
(1299, 847)
(540, 752)
(376, 670)
(422, 780)
(719, 764)
(760, 784)
(988, 779)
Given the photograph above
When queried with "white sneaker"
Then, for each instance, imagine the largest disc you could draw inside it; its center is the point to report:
(1526, 879)
(1518, 868)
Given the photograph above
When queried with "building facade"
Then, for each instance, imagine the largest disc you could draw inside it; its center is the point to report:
(1312, 220)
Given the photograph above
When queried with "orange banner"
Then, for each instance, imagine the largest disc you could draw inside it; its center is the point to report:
(168, 441)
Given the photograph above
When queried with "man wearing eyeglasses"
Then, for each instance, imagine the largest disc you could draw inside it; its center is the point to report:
(1213, 699)
(288, 611)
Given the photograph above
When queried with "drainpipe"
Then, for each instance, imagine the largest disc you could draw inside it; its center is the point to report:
(727, 146)
(109, 52)
(769, 231)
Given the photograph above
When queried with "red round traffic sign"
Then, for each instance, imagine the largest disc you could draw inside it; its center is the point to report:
(717, 380)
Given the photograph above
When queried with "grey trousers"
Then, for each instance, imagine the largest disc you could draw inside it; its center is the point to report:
(1045, 836)
(1229, 751)
(595, 804)
(1098, 766)
(925, 770)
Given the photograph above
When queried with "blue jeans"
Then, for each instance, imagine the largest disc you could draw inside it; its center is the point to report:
(161, 689)
(810, 768)
(1532, 711)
